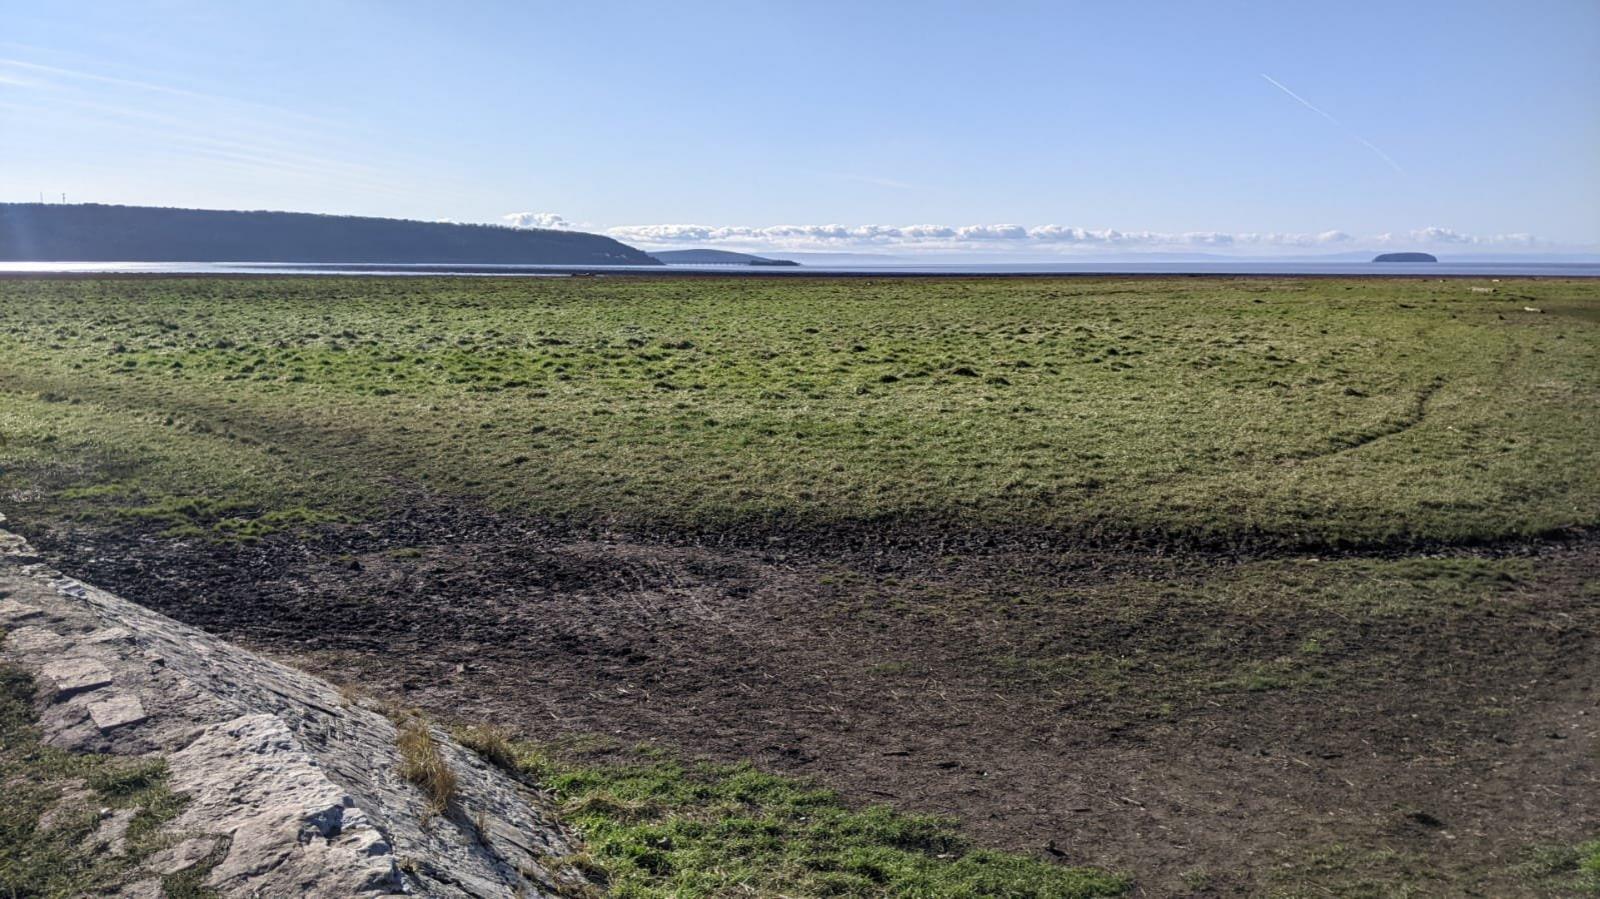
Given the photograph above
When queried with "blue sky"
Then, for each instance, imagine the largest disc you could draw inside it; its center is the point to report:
(1027, 128)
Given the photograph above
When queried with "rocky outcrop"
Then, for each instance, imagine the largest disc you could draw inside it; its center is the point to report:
(292, 790)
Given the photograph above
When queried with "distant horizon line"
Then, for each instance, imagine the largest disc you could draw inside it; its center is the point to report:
(1000, 243)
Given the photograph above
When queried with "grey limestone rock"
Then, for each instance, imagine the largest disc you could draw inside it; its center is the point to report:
(292, 790)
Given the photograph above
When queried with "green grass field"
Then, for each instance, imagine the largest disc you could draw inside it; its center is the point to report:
(1278, 541)
(656, 828)
(1264, 412)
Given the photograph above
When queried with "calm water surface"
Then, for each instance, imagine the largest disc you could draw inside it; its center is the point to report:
(1210, 267)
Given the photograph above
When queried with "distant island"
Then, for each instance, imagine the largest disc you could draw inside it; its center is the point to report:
(716, 257)
(1405, 257)
(51, 232)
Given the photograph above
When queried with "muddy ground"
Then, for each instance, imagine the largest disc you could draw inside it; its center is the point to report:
(1435, 759)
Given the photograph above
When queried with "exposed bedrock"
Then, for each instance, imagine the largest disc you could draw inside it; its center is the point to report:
(291, 788)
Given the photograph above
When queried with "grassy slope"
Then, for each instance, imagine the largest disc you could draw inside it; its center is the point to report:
(1265, 411)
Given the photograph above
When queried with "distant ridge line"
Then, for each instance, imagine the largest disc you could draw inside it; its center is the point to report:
(93, 232)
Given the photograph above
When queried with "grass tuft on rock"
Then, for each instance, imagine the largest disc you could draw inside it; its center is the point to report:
(493, 744)
(423, 765)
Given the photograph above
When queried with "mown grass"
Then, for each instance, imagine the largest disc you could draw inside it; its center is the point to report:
(53, 802)
(1250, 411)
(657, 827)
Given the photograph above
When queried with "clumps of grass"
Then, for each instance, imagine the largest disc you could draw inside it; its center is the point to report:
(1383, 587)
(352, 695)
(16, 707)
(197, 517)
(181, 511)
(190, 882)
(657, 827)
(583, 863)
(1588, 867)
(294, 518)
(113, 490)
(1574, 869)
(1359, 871)
(422, 764)
(608, 805)
(128, 779)
(1272, 674)
(51, 815)
(492, 743)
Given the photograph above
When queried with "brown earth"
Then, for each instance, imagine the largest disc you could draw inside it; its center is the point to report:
(1436, 752)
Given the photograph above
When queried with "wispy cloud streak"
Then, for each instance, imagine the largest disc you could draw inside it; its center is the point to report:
(149, 87)
(1342, 126)
(200, 128)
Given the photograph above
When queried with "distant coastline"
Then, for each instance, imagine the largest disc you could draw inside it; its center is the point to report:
(45, 232)
(716, 257)
(1243, 269)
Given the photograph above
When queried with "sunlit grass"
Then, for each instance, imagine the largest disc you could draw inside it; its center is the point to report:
(656, 827)
(1250, 411)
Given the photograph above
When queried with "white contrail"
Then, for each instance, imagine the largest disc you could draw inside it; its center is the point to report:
(1307, 104)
